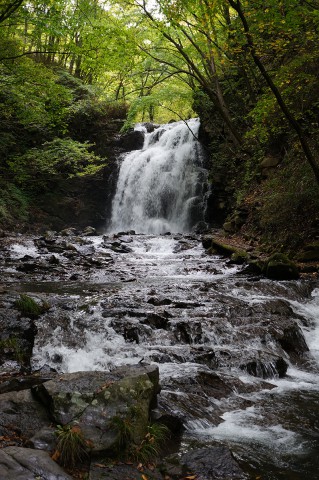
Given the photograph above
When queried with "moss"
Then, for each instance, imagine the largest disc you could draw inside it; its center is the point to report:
(29, 307)
(229, 250)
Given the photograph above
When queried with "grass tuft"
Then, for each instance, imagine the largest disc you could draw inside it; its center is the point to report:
(29, 307)
(72, 448)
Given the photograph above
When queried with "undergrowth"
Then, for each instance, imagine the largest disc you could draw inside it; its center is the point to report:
(148, 449)
(71, 448)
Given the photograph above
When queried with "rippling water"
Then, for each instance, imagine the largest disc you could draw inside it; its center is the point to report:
(170, 303)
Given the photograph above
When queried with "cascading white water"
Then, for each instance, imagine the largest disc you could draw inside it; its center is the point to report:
(161, 187)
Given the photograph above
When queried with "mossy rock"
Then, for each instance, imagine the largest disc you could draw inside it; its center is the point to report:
(310, 253)
(239, 258)
(230, 251)
(279, 267)
(254, 267)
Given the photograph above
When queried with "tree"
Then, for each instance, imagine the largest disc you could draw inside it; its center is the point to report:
(191, 48)
(237, 5)
(8, 8)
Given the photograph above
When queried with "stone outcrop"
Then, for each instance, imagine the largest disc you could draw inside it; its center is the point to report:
(90, 400)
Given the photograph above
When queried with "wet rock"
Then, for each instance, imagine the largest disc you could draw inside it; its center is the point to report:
(158, 302)
(89, 231)
(26, 464)
(68, 232)
(212, 463)
(279, 267)
(93, 399)
(205, 357)
(266, 369)
(213, 385)
(187, 305)
(22, 414)
(156, 321)
(118, 247)
(131, 334)
(125, 239)
(181, 246)
(150, 127)
(188, 332)
(53, 260)
(292, 340)
(132, 140)
(228, 250)
(28, 267)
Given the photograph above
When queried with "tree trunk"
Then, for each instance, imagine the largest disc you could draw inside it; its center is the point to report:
(236, 5)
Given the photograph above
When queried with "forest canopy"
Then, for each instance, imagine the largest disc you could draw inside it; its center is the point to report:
(249, 69)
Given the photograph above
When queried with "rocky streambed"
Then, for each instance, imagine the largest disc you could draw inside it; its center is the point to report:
(236, 353)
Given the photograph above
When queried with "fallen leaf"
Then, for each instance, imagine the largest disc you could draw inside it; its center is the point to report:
(100, 465)
(56, 455)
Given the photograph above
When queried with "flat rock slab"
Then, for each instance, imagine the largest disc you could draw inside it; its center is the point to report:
(214, 463)
(25, 464)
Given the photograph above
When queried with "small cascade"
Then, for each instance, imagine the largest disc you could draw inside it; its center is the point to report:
(161, 188)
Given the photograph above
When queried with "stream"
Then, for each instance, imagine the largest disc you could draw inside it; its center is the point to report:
(216, 334)
(238, 354)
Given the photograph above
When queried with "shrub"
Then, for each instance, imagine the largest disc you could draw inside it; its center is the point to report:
(61, 156)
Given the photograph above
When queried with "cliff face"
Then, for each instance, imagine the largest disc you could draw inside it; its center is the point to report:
(87, 200)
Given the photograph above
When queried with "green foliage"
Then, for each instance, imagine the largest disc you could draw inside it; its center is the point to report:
(64, 157)
(150, 447)
(289, 205)
(124, 427)
(11, 344)
(13, 204)
(29, 307)
(71, 446)
(31, 96)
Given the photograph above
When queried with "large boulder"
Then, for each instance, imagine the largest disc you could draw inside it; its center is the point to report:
(279, 267)
(94, 399)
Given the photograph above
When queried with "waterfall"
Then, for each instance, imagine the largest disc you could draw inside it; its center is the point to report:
(161, 187)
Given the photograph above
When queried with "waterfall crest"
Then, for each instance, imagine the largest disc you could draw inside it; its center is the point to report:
(161, 188)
